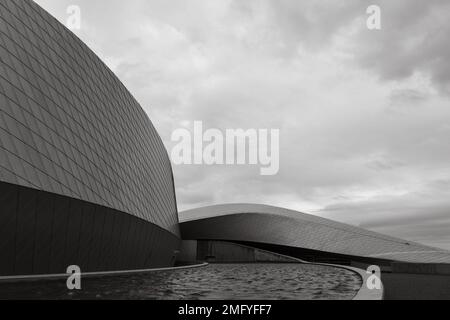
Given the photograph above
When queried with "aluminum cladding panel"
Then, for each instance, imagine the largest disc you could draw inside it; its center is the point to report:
(68, 126)
(283, 227)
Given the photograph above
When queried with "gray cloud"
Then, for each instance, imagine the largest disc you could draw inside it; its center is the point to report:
(413, 40)
(363, 115)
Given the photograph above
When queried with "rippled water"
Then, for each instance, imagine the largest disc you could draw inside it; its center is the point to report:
(220, 281)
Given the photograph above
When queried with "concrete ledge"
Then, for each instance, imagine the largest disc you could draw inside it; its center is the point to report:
(408, 286)
(47, 277)
(225, 252)
(364, 292)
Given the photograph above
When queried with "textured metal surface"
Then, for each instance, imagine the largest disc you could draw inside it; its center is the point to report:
(272, 225)
(68, 126)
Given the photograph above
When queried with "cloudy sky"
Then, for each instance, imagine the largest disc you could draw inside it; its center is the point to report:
(364, 116)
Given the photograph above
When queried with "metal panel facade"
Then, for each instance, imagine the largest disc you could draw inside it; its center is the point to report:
(84, 177)
(282, 227)
(68, 125)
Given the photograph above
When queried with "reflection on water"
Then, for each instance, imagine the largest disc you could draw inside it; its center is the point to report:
(220, 281)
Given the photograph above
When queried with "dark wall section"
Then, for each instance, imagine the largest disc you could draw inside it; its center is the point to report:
(44, 233)
(68, 126)
(227, 252)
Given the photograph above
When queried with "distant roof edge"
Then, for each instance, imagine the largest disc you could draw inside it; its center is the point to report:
(230, 209)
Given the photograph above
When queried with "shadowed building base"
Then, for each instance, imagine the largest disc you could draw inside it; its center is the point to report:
(227, 252)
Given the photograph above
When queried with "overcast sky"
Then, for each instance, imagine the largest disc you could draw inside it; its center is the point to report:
(364, 116)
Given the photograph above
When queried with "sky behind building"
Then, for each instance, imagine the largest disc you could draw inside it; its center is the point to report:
(364, 115)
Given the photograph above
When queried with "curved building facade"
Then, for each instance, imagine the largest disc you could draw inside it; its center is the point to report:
(301, 235)
(84, 177)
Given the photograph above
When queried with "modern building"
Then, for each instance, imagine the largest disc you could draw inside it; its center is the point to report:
(84, 177)
(299, 235)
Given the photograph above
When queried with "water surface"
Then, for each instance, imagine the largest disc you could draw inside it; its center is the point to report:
(215, 281)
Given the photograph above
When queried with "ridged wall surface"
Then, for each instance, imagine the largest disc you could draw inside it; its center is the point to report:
(68, 126)
(277, 226)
